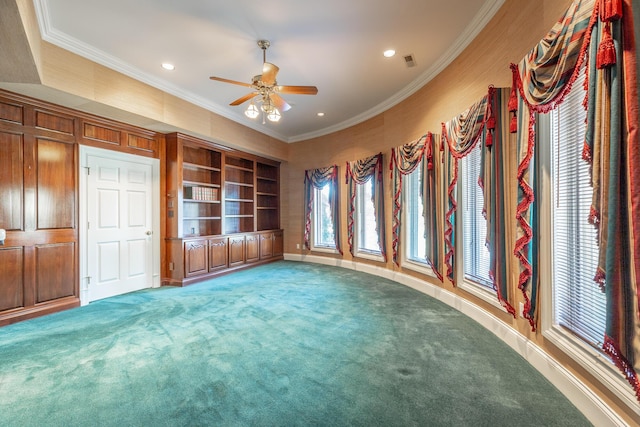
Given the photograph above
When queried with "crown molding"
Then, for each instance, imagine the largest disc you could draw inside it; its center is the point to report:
(51, 35)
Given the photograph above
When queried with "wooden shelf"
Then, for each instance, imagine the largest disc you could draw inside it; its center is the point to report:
(187, 165)
(200, 184)
(241, 184)
(200, 201)
(199, 218)
(240, 168)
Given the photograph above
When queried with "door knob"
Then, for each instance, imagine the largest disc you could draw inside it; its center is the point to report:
(149, 233)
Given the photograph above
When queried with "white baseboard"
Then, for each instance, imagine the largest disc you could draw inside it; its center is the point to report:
(585, 399)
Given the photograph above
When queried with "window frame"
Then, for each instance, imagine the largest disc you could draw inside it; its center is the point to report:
(357, 222)
(485, 293)
(595, 362)
(314, 218)
(420, 266)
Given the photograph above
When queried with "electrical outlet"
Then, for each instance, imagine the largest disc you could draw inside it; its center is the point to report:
(521, 311)
(297, 245)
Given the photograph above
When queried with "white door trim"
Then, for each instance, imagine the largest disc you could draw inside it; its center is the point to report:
(85, 152)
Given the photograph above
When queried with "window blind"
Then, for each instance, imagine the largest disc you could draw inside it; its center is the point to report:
(476, 258)
(579, 304)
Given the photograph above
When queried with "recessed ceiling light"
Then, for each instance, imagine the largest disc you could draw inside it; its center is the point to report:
(168, 66)
(389, 53)
(320, 114)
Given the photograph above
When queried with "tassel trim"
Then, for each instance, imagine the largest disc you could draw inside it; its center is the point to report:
(606, 56)
(610, 10)
(623, 364)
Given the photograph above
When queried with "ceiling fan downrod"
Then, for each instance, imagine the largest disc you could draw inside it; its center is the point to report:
(264, 45)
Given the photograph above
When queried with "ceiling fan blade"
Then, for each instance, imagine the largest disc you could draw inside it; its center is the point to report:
(298, 90)
(269, 72)
(244, 98)
(220, 79)
(280, 103)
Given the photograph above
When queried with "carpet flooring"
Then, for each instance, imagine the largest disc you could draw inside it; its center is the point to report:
(283, 344)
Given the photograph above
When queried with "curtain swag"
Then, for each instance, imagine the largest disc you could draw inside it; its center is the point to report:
(360, 172)
(597, 36)
(318, 178)
(460, 135)
(405, 159)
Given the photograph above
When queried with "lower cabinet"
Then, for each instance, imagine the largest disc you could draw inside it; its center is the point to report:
(193, 260)
(195, 257)
(253, 247)
(236, 251)
(218, 254)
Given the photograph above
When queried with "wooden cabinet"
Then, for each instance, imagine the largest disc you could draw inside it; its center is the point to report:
(253, 247)
(195, 257)
(221, 203)
(218, 254)
(236, 250)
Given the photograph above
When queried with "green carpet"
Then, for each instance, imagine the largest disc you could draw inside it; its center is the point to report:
(284, 344)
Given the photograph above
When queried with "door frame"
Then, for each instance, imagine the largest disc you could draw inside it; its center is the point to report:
(85, 152)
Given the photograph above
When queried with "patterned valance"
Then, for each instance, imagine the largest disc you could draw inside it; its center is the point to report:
(360, 172)
(460, 135)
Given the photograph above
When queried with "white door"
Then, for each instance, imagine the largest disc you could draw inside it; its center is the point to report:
(119, 226)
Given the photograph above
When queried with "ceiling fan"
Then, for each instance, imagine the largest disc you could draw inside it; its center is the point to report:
(266, 89)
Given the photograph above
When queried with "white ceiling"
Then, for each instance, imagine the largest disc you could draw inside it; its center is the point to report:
(335, 45)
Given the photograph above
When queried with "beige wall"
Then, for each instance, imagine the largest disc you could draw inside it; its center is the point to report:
(72, 81)
(516, 28)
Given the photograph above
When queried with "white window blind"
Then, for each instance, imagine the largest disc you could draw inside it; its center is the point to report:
(414, 231)
(579, 304)
(367, 236)
(323, 235)
(476, 260)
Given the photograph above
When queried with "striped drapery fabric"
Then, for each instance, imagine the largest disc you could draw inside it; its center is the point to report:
(542, 79)
(318, 178)
(405, 159)
(600, 34)
(459, 136)
(495, 182)
(360, 172)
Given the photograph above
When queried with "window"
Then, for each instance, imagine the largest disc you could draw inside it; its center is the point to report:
(573, 307)
(579, 304)
(366, 233)
(476, 257)
(415, 244)
(323, 235)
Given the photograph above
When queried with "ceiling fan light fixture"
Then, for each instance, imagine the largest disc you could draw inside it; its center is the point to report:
(274, 115)
(252, 111)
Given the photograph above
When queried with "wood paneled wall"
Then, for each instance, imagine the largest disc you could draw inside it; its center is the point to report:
(39, 199)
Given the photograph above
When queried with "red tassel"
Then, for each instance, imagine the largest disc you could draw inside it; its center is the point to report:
(491, 123)
(430, 165)
(513, 99)
(610, 10)
(606, 51)
(489, 141)
(513, 125)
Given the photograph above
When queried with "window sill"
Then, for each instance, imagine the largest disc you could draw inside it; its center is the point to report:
(369, 255)
(324, 249)
(594, 362)
(418, 267)
(482, 292)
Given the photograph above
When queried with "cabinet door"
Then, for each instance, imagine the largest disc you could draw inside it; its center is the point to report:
(253, 252)
(218, 255)
(278, 243)
(236, 250)
(266, 245)
(195, 257)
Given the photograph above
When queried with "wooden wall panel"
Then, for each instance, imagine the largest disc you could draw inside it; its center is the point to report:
(56, 185)
(11, 113)
(141, 143)
(11, 181)
(101, 133)
(12, 284)
(57, 123)
(55, 271)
